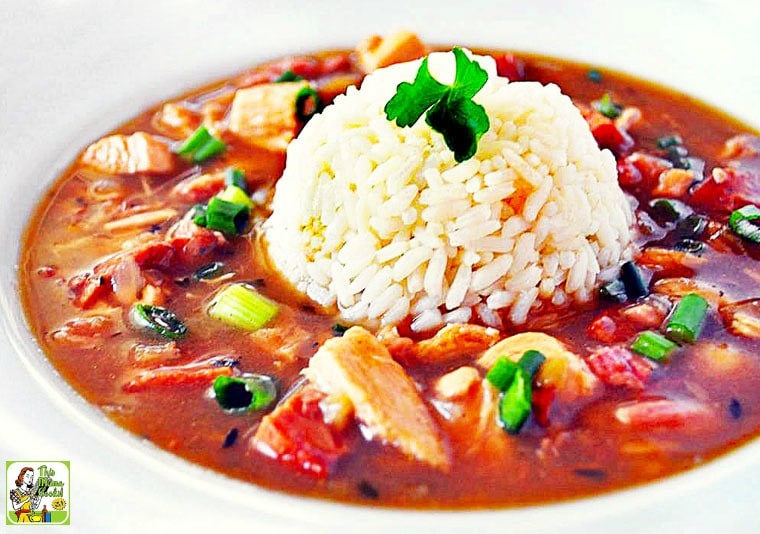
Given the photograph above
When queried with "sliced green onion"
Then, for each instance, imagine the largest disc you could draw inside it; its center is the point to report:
(201, 145)
(248, 392)
(692, 225)
(198, 214)
(613, 291)
(740, 222)
(672, 209)
(227, 217)
(515, 402)
(531, 361)
(208, 271)
(339, 329)
(236, 195)
(307, 104)
(594, 75)
(289, 76)
(633, 279)
(242, 306)
(668, 141)
(160, 320)
(653, 345)
(235, 177)
(197, 139)
(686, 320)
(502, 373)
(212, 148)
(607, 107)
(690, 246)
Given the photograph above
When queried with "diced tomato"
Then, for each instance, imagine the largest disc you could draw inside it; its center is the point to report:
(156, 255)
(727, 189)
(608, 135)
(509, 66)
(86, 288)
(198, 373)
(335, 64)
(665, 413)
(542, 401)
(296, 435)
(649, 167)
(607, 329)
(618, 366)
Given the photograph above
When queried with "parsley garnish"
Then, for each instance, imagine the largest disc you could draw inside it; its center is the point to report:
(450, 108)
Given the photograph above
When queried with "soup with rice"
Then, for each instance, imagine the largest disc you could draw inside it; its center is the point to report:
(455, 279)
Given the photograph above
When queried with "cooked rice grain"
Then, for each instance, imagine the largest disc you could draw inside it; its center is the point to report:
(382, 222)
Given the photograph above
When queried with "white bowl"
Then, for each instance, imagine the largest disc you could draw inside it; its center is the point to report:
(70, 70)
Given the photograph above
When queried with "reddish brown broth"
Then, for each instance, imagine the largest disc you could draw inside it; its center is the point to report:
(583, 451)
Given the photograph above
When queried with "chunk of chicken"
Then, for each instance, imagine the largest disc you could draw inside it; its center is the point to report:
(384, 397)
(468, 406)
(265, 115)
(376, 52)
(449, 344)
(563, 369)
(130, 154)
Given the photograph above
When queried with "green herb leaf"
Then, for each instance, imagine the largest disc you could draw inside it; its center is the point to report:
(470, 76)
(413, 99)
(607, 107)
(450, 109)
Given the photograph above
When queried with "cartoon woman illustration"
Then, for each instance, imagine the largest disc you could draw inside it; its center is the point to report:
(24, 497)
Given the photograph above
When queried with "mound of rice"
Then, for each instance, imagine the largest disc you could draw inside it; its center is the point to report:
(381, 221)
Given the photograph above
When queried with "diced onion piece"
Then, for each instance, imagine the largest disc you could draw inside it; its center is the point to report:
(242, 306)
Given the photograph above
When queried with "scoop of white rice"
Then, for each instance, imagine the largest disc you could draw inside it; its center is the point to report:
(383, 222)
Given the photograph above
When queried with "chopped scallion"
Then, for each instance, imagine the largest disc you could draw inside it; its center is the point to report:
(502, 373)
(289, 76)
(607, 107)
(201, 145)
(227, 217)
(671, 209)
(515, 402)
(740, 222)
(235, 177)
(209, 271)
(236, 195)
(248, 392)
(339, 329)
(197, 139)
(242, 306)
(653, 345)
(686, 320)
(633, 279)
(613, 291)
(211, 149)
(198, 214)
(160, 320)
(307, 104)
(668, 141)
(531, 361)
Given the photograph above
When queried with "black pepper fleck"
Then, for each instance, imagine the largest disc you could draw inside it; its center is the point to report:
(735, 408)
(368, 491)
(230, 438)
